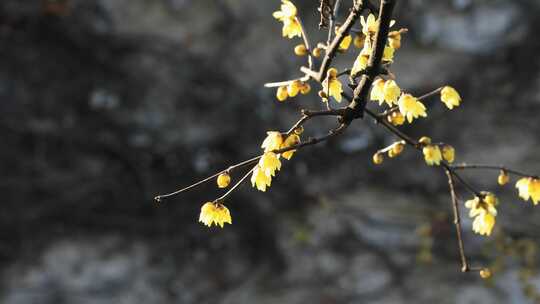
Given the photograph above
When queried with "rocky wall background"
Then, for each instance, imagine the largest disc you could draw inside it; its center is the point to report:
(104, 104)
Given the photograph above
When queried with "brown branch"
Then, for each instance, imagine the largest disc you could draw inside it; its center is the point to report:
(457, 222)
(331, 49)
(360, 94)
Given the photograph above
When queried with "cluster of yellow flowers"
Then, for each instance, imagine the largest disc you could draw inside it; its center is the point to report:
(435, 153)
(393, 150)
(214, 213)
(269, 162)
(292, 89)
(482, 209)
(287, 15)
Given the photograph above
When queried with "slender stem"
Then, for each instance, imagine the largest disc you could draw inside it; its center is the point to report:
(221, 198)
(333, 18)
(457, 222)
(160, 197)
(306, 42)
(490, 167)
(331, 49)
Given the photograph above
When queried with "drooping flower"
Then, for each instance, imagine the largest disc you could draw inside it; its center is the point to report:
(362, 60)
(432, 155)
(448, 153)
(503, 178)
(391, 92)
(214, 213)
(287, 15)
(270, 163)
(281, 93)
(223, 180)
(394, 39)
(377, 90)
(529, 187)
(260, 180)
(272, 142)
(450, 97)
(290, 141)
(332, 85)
(483, 211)
(388, 54)
(370, 24)
(410, 107)
(396, 118)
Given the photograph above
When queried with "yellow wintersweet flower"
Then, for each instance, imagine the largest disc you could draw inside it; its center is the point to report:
(294, 88)
(377, 90)
(223, 180)
(260, 180)
(287, 15)
(272, 141)
(290, 141)
(281, 93)
(369, 25)
(270, 163)
(432, 155)
(396, 118)
(345, 43)
(388, 54)
(332, 85)
(448, 153)
(503, 178)
(529, 187)
(359, 41)
(410, 107)
(450, 97)
(394, 39)
(214, 213)
(391, 92)
(360, 64)
(483, 211)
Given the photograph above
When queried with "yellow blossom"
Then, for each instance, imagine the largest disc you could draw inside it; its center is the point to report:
(317, 52)
(305, 89)
(272, 141)
(369, 25)
(388, 54)
(291, 140)
(485, 273)
(503, 178)
(410, 107)
(391, 92)
(450, 97)
(397, 148)
(359, 41)
(378, 158)
(270, 163)
(300, 50)
(260, 180)
(345, 43)
(287, 15)
(483, 211)
(294, 88)
(432, 155)
(394, 39)
(424, 140)
(396, 118)
(377, 90)
(223, 180)
(332, 85)
(360, 64)
(448, 153)
(529, 187)
(281, 93)
(214, 213)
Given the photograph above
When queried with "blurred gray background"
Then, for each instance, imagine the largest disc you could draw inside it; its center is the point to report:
(104, 104)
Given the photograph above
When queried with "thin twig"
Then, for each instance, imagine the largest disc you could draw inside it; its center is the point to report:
(457, 222)
(221, 198)
(491, 167)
